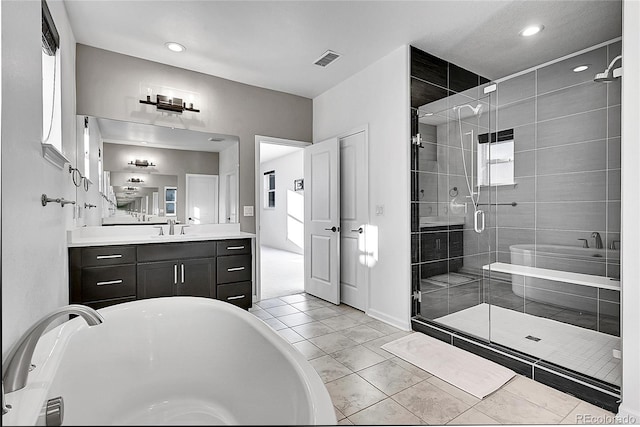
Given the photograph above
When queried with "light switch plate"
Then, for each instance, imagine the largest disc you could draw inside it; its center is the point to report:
(379, 210)
(248, 210)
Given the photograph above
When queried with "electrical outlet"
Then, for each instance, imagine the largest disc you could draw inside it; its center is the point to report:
(248, 210)
(617, 354)
(379, 210)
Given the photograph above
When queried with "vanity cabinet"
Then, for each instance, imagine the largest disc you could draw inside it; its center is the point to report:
(105, 275)
(176, 269)
(102, 276)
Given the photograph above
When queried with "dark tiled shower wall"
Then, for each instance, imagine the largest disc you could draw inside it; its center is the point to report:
(434, 79)
(567, 174)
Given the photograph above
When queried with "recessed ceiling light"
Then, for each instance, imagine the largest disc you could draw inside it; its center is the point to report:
(580, 68)
(531, 30)
(175, 47)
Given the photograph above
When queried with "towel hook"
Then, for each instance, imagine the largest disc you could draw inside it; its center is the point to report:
(44, 199)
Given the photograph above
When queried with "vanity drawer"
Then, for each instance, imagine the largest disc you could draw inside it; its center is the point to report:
(234, 247)
(99, 283)
(108, 255)
(233, 268)
(235, 293)
(173, 251)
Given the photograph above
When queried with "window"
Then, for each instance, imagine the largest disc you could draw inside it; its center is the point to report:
(496, 158)
(170, 199)
(51, 98)
(270, 190)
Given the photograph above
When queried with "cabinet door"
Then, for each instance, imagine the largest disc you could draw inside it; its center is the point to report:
(196, 277)
(157, 279)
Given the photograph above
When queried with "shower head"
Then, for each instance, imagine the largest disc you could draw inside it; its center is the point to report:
(609, 75)
(476, 110)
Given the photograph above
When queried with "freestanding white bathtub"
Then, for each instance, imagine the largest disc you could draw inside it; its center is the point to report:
(590, 261)
(179, 360)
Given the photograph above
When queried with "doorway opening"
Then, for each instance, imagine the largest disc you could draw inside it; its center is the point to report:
(279, 217)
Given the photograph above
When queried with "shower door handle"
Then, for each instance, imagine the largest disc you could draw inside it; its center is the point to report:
(478, 221)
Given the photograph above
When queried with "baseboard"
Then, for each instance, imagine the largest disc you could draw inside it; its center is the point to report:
(405, 325)
(627, 415)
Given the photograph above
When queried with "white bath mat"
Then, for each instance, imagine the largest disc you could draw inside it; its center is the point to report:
(471, 373)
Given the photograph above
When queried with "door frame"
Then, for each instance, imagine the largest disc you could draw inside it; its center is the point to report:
(364, 128)
(258, 191)
(216, 178)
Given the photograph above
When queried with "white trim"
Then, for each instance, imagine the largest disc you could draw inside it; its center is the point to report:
(553, 61)
(257, 289)
(393, 321)
(53, 155)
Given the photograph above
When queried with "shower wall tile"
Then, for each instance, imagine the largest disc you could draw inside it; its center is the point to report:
(524, 138)
(610, 295)
(428, 67)
(423, 93)
(560, 75)
(461, 80)
(587, 126)
(588, 216)
(613, 153)
(614, 92)
(523, 191)
(613, 216)
(562, 237)
(588, 156)
(580, 186)
(427, 189)
(572, 100)
(517, 88)
(516, 114)
(524, 164)
(520, 216)
(613, 121)
(613, 184)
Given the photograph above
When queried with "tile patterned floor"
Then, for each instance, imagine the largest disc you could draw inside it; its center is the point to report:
(370, 386)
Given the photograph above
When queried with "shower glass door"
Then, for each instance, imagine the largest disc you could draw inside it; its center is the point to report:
(453, 239)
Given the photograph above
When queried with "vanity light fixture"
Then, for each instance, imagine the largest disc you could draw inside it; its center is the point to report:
(141, 163)
(171, 104)
(531, 30)
(136, 180)
(175, 47)
(580, 68)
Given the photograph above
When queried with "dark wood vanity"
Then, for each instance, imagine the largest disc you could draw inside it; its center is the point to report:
(100, 276)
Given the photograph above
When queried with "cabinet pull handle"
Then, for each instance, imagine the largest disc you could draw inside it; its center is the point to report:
(236, 297)
(109, 282)
(235, 269)
(234, 248)
(175, 274)
(182, 272)
(108, 256)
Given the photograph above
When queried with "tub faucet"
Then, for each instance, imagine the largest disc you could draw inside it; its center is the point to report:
(172, 223)
(596, 236)
(15, 367)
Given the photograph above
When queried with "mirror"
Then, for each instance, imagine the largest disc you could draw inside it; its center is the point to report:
(148, 174)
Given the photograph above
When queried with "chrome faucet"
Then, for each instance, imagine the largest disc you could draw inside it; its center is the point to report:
(172, 223)
(15, 367)
(596, 236)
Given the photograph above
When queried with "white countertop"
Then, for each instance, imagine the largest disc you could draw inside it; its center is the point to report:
(133, 234)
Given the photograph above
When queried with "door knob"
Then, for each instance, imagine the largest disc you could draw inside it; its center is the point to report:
(334, 229)
(359, 230)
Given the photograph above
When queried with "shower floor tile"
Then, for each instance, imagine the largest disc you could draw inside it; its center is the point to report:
(573, 347)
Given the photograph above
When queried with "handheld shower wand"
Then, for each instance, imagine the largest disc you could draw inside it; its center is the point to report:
(609, 75)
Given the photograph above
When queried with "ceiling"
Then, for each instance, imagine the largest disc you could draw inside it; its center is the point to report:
(269, 152)
(273, 44)
(129, 133)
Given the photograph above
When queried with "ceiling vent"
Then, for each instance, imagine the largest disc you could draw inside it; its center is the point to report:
(327, 58)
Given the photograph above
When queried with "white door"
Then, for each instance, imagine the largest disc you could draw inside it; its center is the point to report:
(202, 199)
(322, 220)
(354, 205)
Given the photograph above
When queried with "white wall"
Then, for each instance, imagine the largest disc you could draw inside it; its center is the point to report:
(379, 96)
(630, 406)
(34, 251)
(273, 222)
